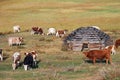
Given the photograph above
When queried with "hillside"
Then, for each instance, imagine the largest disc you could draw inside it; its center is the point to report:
(69, 14)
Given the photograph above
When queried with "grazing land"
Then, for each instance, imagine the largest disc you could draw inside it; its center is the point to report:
(56, 64)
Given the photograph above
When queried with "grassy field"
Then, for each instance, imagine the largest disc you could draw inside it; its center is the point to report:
(56, 64)
(69, 14)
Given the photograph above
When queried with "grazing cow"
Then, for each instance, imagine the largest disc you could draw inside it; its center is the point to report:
(37, 30)
(99, 54)
(112, 50)
(117, 43)
(1, 55)
(60, 33)
(16, 28)
(34, 54)
(16, 60)
(15, 40)
(28, 61)
(51, 31)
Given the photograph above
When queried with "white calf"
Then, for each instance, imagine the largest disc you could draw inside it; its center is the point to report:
(16, 28)
(51, 31)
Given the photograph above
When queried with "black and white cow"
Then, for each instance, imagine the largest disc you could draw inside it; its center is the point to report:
(28, 61)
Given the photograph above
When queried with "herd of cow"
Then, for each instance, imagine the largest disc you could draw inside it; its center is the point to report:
(30, 57)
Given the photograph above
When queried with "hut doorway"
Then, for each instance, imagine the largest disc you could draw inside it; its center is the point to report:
(84, 46)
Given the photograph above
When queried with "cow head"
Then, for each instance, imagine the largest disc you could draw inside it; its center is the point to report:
(21, 39)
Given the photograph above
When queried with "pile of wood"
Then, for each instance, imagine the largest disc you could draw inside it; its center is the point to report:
(90, 36)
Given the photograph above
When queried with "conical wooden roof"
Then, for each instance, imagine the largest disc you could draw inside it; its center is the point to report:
(90, 35)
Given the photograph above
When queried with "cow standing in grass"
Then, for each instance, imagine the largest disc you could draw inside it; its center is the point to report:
(99, 54)
(15, 40)
(117, 43)
(60, 33)
(34, 55)
(16, 28)
(28, 61)
(1, 55)
(51, 31)
(16, 60)
(37, 30)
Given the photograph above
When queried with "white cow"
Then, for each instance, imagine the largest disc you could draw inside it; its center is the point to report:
(16, 28)
(51, 31)
(16, 60)
(15, 40)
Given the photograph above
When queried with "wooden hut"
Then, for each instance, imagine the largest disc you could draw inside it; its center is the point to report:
(87, 38)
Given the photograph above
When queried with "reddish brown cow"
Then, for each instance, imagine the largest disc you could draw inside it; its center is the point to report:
(99, 54)
(117, 43)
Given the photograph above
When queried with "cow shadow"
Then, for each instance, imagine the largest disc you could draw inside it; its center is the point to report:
(5, 57)
(97, 61)
(36, 64)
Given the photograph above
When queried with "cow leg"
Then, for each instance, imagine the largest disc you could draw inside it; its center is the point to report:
(26, 67)
(106, 60)
(94, 60)
(14, 66)
(110, 60)
(1, 57)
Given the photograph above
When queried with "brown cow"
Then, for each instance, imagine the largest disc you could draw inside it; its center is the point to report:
(117, 43)
(99, 54)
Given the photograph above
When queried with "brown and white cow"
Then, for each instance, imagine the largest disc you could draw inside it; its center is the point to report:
(117, 43)
(60, 33)
(99, 54)
(15, 40)
(16, 60)
(1, 55)
(37, 30)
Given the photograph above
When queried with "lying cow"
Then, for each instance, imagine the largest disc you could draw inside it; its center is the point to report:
(1, 55)
(15, 40)
(51, 31)
(16, 60)
(37, 30)
(16, 28)
(117, 43)
(60, 33)
(99, 54)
